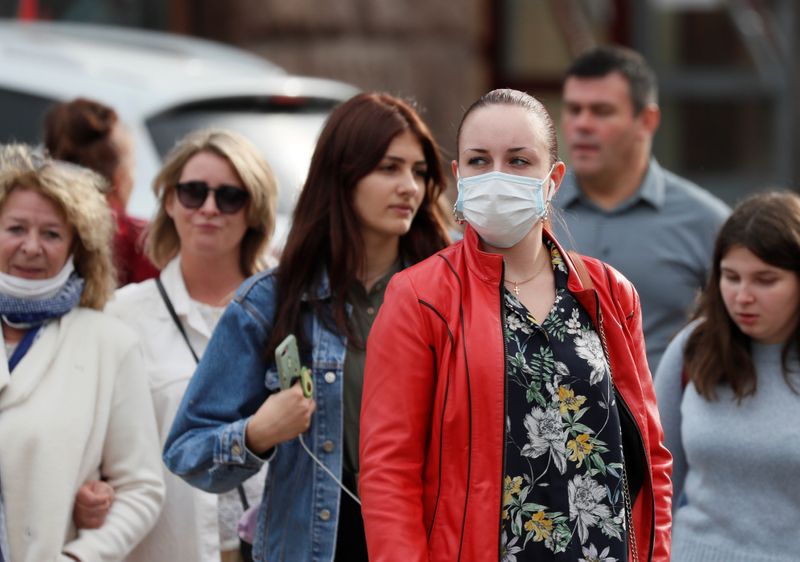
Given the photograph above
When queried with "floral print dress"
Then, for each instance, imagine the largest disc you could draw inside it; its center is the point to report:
(563, 495)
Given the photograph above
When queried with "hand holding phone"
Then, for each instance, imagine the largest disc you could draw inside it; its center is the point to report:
(286, 414)
(283, 416)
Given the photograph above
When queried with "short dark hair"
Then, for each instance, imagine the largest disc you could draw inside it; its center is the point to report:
(601, 61)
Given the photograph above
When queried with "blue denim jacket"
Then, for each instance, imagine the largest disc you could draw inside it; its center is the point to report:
(206, 445)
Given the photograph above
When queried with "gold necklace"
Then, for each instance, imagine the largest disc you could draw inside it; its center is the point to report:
(529, 279)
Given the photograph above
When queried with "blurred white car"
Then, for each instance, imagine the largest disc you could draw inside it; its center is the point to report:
(163, 86)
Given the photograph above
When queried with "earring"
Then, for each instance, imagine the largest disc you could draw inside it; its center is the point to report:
(458, 216)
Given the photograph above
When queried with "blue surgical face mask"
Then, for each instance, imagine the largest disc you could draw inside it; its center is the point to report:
(502, 208)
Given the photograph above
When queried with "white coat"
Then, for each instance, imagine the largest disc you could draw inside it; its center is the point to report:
(77, 402)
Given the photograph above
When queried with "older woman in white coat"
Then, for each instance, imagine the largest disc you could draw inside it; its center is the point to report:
(73, 405)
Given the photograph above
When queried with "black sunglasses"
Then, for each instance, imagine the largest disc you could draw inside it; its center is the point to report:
(229, 199)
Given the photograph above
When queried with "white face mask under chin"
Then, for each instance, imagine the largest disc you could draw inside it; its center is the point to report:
(36, 289)
(502, 208)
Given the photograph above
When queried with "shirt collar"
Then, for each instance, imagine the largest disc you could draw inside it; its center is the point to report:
(651, 190)
(321, 290)
(185, 308)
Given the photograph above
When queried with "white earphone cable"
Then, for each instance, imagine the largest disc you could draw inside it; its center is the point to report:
(327, 470)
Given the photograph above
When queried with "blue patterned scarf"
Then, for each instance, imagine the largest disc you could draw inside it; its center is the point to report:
(32, 312)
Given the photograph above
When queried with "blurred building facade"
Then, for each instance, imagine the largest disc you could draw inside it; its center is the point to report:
(728, 69)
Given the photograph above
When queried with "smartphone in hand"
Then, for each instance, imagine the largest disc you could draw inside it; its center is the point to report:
(287, 359)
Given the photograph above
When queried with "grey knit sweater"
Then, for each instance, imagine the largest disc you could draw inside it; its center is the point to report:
(737, 464)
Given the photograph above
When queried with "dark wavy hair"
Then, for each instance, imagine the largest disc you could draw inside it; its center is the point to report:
(718, 352)
(325, 233)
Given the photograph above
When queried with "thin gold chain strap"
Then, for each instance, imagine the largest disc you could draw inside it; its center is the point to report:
(626, 493)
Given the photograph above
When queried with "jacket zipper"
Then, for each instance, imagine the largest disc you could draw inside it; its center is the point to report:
(505, 403)
(625, 489)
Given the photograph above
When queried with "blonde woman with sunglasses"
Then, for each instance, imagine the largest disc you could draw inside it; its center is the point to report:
(216, 214)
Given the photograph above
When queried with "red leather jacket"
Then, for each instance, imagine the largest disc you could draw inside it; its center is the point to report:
(432, 416)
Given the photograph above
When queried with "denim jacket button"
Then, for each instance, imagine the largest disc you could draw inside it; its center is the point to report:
(236, 450)
(330, 377)
(324, 514)
(328, 446)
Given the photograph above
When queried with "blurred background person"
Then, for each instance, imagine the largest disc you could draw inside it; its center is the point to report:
(729, 394)
(216, 214)
(90, 134)
(369, 207)
(619, 205)
(71, 375)
(482, 361)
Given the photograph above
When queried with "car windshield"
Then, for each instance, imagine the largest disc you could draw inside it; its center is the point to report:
(286, 136)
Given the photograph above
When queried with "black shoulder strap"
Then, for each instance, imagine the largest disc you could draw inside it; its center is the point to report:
(171, 309)
(168, 303)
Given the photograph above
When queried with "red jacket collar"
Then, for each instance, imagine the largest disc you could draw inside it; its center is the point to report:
(489, 267)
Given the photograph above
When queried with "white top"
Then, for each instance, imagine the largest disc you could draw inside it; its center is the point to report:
(74, 403)
(190, 528)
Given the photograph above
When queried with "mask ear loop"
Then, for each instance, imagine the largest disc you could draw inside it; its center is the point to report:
(548, 205)
(458, 214)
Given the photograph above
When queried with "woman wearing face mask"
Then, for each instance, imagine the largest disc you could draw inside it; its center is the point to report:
(72, 398)
(729, 394)
(368, 209)
(508, 411)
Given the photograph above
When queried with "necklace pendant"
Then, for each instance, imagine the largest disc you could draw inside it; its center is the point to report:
(516, 289)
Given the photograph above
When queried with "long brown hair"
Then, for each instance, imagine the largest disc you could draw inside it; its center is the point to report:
(718, 352)
(325, 233)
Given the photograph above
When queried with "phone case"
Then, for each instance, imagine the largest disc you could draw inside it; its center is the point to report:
(287, 359)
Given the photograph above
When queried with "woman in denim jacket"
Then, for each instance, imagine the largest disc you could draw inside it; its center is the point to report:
(370, 206)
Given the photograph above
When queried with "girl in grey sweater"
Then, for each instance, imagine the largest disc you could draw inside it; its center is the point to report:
(727, 390)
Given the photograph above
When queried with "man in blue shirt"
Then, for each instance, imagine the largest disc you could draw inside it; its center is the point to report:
(619, 205)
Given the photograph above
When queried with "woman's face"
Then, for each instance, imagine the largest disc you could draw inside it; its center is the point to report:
(35, 239)
(504, 138)
(206, 231)
(387, 199)
(762, 299)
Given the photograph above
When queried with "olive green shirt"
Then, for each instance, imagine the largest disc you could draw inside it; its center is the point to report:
(364, 310)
